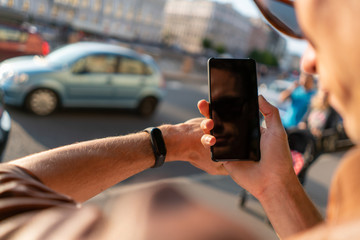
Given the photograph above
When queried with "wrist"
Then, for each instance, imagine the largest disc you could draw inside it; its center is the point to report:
(288, 208)
(280, 188)
(172, 142)
(182, 141)
(158, 145)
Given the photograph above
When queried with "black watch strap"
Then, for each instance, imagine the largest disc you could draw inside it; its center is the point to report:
(158, 145)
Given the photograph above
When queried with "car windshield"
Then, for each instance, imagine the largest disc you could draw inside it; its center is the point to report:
(60, 56)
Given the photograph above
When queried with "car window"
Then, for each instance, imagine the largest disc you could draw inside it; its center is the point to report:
(133, 66)
(278, 86)
(12, 34)
(95, 64)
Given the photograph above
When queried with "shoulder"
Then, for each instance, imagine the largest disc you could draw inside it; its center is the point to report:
(348, 230)
(345, 192)
(350, 164)
(21, 192)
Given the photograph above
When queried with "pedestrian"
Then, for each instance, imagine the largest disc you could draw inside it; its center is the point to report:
(320, 115)
(299, 94)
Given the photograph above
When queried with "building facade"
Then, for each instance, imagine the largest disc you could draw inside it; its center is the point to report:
(188, 22)
(262, 37)
(135, 19)
(184, 23)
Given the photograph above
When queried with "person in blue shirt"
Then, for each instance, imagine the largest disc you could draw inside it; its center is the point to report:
(300, 94)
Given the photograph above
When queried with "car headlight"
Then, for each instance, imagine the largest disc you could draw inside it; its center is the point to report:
(16, 78)
(20, 78)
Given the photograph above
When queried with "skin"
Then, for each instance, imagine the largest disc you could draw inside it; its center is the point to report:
(85, 169)
(333, 53)
(305, 81)
(272, 180)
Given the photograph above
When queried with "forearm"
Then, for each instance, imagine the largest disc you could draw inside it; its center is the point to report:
(284, 95)
(84, 169)
(289, 209)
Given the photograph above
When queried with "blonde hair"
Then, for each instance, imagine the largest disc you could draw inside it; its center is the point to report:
(320, 100)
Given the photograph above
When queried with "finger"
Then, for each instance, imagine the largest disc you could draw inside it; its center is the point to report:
(262, 130)
(271, 114)
(203, 107)
(208, 140)
(207, 125)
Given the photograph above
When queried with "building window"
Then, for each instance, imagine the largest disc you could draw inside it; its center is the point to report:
(119, 11)
(41, 9)
(85, 3)
(55, 11)
(97, 5)
(108, 8)
(26, 5)
(130, 14)
(10, 3)
(83, 17)
(75, 2)
(70, 14)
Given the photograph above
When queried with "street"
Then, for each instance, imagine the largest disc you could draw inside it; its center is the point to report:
(31, 134)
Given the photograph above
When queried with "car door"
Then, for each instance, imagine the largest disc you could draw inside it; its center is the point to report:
(90, 82)
(129, 81)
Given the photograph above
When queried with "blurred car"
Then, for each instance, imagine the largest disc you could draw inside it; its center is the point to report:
(18, 41)
(84, 74)
(272, 91)
(5, 125)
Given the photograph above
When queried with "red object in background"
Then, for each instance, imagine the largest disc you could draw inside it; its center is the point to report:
(298, 161)
(16, 41)
(45, 48)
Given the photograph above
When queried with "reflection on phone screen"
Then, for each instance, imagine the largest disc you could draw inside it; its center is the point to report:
(234, 109)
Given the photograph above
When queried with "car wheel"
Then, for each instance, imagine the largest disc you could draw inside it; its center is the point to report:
(147, 106)
(42, 102)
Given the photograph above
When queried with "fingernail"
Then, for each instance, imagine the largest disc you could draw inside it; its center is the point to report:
(208, 139)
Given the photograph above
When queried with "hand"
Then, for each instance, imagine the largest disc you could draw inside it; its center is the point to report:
(275, 165)
(295, 84)
(183, 143)
(302, 125)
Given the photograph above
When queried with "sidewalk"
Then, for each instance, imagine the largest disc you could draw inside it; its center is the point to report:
(184, 77)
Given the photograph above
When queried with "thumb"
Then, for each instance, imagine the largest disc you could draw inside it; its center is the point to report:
(270, 113)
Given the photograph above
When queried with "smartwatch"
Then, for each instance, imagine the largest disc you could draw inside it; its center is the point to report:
(158, 145)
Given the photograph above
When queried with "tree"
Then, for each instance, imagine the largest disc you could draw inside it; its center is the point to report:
(207, 43)
(264, 57)
(220, 49)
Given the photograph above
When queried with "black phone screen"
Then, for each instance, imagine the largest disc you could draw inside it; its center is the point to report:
(234, 109)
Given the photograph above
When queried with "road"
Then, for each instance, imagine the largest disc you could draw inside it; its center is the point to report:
(31, 134)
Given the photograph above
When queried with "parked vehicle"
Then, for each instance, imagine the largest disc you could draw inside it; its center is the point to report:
(272, 93)
(5, 125)
(18, 41)
(84, 74)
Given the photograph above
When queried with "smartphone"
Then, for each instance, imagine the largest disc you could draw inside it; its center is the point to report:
(234, 109)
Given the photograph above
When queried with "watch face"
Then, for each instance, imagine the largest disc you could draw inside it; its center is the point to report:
(159, 141)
